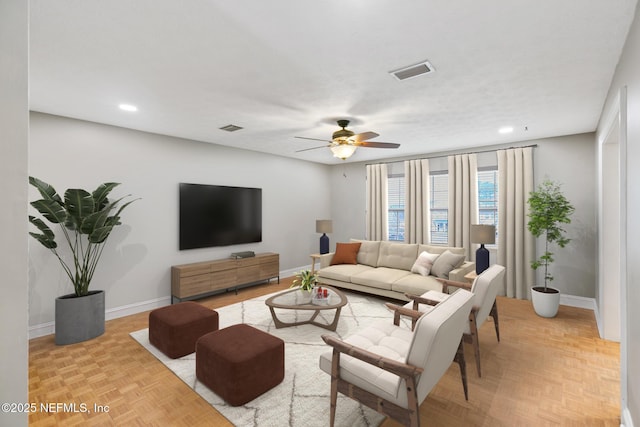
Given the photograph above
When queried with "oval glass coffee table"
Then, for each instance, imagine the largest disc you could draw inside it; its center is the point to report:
(296, 299)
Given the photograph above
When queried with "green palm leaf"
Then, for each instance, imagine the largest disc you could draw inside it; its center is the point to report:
(85, 224)
(46, 190)
(51, 209)
(79, 204)
(100, 194)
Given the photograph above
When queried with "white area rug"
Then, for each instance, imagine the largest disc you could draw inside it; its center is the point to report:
(302, 399)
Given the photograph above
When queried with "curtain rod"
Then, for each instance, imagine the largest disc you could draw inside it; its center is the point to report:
(488, 150)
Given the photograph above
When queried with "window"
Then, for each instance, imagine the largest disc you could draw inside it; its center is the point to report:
(395, 203)
(488, 197)
(439, 201)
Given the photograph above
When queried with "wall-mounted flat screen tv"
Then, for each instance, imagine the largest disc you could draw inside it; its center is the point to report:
(213, 215)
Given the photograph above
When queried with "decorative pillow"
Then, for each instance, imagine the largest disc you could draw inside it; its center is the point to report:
(346, 253)
(368, 253)
(424, 263)
(446, 262)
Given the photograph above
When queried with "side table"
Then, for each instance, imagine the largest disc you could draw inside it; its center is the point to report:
(314, 257)
(471, 276)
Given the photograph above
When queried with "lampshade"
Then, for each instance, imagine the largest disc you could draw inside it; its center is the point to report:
(481, 233)
(324, 226)
(343, 151)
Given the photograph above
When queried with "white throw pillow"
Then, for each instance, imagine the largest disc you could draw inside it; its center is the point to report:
(423, 264)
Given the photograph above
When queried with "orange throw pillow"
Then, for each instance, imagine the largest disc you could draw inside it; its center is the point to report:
(346, 253)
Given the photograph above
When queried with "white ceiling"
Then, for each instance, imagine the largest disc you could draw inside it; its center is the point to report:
(285, 68)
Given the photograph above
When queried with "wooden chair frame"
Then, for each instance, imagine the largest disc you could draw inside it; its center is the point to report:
(406, 416)
(472, 337)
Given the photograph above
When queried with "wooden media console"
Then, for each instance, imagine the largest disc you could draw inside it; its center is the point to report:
(191, 281)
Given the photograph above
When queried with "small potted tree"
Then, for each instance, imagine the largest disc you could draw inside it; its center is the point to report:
(549, 209)
(85, 221)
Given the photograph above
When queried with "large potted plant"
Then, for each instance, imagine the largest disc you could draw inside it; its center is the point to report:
(549, 209)
(85, 221)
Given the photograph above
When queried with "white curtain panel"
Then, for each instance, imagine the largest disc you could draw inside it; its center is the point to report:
(417, 217)
(377, 220)
(463, 200)
(516, 245)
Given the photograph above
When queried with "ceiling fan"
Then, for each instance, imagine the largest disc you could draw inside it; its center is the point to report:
(344, 142)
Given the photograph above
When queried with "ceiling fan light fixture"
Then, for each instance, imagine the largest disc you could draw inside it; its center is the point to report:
(342, 151)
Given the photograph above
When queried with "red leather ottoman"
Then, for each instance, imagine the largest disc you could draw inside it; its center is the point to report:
(239, 363)
(174, 329)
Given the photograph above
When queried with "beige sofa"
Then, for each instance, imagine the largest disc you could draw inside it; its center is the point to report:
(384, 268)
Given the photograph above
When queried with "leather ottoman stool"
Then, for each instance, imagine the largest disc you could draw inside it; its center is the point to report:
(239, 363)
(174, 329)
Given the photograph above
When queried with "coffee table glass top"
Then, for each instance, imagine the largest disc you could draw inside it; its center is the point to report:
(297, 299)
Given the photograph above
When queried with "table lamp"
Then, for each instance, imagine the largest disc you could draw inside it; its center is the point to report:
(324, 226)
(483, 234)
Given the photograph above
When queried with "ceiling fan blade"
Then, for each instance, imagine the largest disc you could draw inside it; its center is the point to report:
(364, 136)
(312, 139)
(314, 148)
(377, 144)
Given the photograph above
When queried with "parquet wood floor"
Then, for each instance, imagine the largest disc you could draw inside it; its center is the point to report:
(544, 372)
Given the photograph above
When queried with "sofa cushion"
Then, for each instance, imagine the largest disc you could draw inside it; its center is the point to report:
(368, 253)
(342, 272)
(416, 284)
(346, 253)
(446, 262)
(380, 277)
(397, 255)
(424, 263)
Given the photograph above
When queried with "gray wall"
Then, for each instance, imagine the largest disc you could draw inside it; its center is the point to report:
(628, 74)
(567, 159)
(135, 266)
(14, 131)
(570, 160)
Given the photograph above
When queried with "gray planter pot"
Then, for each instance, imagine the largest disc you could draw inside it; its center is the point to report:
(79, 318)
(545, 304)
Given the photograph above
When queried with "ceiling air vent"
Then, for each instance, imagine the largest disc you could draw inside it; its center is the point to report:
(230, 128)
(413, 71)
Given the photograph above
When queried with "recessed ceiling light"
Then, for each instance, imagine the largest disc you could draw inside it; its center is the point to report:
(505, 129)
(128, 107)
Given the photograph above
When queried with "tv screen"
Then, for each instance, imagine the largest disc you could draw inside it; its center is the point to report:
(213, 215)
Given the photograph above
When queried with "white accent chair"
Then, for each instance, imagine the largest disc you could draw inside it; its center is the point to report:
(392, 369)
(485, 288)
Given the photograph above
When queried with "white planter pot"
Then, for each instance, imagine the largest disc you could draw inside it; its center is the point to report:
(545, 304)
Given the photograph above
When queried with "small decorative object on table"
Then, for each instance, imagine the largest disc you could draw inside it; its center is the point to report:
(305, 280)
(320, 296)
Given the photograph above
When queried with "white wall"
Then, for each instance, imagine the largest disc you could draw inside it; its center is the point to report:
(570, 160)
(567, 159)
(14, 131)
(628, 75)
(135, 266)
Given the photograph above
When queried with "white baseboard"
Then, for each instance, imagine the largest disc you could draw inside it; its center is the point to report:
(626, 420)
(41, 330)
(577, 301)
(48, 328)
(138, 307)
(293, 271)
